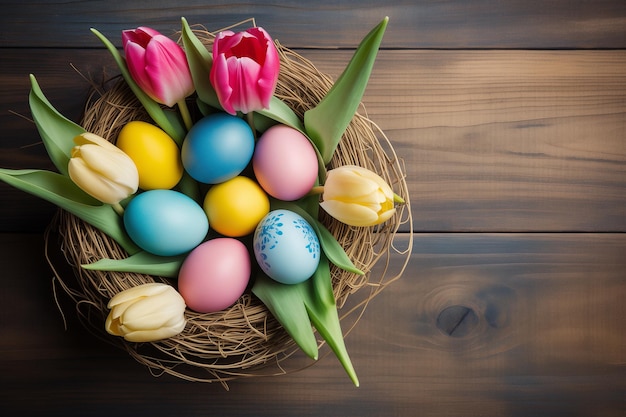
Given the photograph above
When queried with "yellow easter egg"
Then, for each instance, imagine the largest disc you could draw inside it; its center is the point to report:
(235, 207)
(155, 154)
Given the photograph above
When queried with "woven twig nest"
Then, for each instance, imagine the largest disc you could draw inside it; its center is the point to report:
(243, 340)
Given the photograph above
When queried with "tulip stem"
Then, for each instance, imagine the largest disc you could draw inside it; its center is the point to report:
(250, 120)
(118, 208)
(184, 112)
(319, 189)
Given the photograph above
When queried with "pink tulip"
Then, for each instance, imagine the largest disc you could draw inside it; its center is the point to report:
(245, 70)
(158, 65)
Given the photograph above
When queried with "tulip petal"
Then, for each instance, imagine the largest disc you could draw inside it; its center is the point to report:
(137, 291)
(347, 184)
(351, 214)
(386, 215)
(366, 173)
(117, 167)
(96, 186)
(167, 71)
(154, 334)
(245, 70)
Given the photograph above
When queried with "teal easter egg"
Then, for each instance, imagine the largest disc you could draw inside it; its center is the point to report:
(165, 222)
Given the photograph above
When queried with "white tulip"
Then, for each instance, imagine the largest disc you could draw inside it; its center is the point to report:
(146, 313)
(357, 196)
(102, 170)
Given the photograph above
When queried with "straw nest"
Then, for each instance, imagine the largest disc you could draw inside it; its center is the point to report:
(244, 340)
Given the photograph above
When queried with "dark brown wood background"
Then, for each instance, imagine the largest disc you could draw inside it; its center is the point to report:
(511, 119)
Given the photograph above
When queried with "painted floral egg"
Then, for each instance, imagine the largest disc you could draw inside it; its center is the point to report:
(165, 222)
(286, 247)
(285, 163)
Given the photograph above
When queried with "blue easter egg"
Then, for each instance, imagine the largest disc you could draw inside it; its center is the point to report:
(165, 222)
(286, 247)
(217, 148)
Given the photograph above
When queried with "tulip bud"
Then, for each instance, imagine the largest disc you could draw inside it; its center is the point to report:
(245, 70)
(158, 65)
(146, 313)
(357, 196)
(101, 169)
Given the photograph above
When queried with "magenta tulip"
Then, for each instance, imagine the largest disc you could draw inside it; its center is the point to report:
(158, 65)
(245, 70)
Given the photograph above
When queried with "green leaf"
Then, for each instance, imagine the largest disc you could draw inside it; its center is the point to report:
(167, 120)
(56, 131)
(326, 123)
(286, 305)
(281, 113)
(320, 305)
(142, 263)
(60, 190)
(200, 60)
(332, 249)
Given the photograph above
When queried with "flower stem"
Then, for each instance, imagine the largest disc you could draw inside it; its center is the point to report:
(250, 120)
(118, 208)
(316, 190)
(184, 112)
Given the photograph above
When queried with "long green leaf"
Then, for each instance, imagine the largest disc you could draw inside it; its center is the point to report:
(56, 131)
(326, 123)
(321, 307)
(167, 120)
(281, 113)
(61, 191)
(200, 60)
(142, 263)
(286, 305)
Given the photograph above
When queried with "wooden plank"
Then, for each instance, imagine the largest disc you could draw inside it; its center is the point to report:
(547, 340)
(331, 24)
(492, 140)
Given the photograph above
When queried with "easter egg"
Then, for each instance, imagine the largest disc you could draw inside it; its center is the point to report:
(214, 275)
(217, 148)
(235, 207)
(165, 222)
(285, 163)
(286, 247)
(155, 154)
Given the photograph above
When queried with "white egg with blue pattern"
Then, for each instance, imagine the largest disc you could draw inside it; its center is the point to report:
(286, 247)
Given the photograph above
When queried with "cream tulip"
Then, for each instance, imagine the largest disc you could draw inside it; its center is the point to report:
(101, 169)
(146, 313)
(357, 196)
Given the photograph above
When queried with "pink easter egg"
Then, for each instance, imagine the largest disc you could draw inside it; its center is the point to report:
(214, 275)
(285, 163)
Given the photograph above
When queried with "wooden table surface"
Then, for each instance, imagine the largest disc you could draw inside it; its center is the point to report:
(511, 120)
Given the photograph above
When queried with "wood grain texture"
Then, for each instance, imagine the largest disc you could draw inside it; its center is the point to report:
(549, 341)
(491, 140)
(332, 24)
(510, 117)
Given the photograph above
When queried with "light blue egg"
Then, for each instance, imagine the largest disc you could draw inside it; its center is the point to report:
(286, 247)
(217, 148)
(165, 222)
